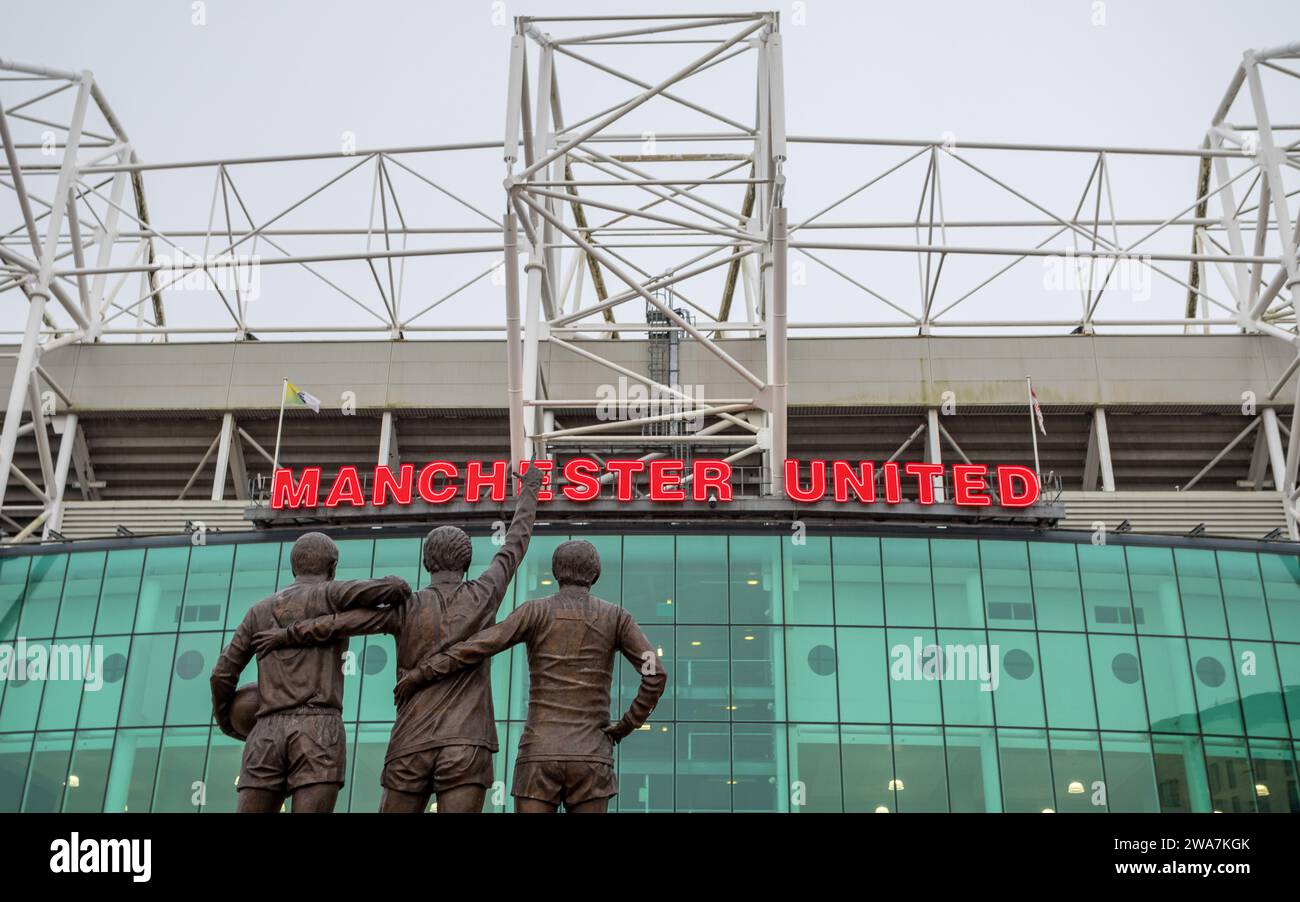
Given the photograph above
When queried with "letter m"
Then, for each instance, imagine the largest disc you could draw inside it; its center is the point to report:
(285, 493)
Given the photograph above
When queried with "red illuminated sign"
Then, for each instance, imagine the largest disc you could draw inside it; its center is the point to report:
(583, 479)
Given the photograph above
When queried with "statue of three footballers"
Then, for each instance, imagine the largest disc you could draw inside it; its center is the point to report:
(444, 734)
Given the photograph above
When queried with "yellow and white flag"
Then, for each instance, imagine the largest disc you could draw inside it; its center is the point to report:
(295, 395)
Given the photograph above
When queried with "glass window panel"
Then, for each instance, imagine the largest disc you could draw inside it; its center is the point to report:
(757, 673)
(703, 767)
(148, 676)
(868, 765)
(1027, 771)
(1261, 694)
(1275, 777)
(378, 677)
(863, 667)
(1117, 681)
(1018, 697)
(1214, 677)
(811, 667)
(367, 766)
(23, 687)
(1180, 773)
(648, 586)
(398, 557)
(1198, 584)
(859, 594)
(1058, 600)
(81, 594)
(499, 791)
(969, 672)
(132, 774)
(1243, 595)
(1171, 701)
(222, 780)
(915, 661)
(47, 776)
(909, 600)
(41, 600)
(1008, 597)
(180, 769)
(1282, 590)
(958, 593)
(207, 588)
(1104, 577)
(1288, 662)
(92, 751)
(701, 579)
(920, 771)
(161, 589)
(1063, 660)
(1156, 605)
(70, 672)
(15, 755)
(117, 603)
(759, 768)
(1077, 772)
(253, 579)
(534, 576)
(703, 673)
(610, 585)
(815, 768)
(973, 783)
(190, 697)
(808, 588)
(755, 564)
(645, 769)
(99, 705)
(518, 708)
(1232, 786)
(1130, 773)
(13, 582)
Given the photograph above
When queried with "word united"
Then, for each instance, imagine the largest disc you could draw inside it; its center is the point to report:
(583, 479)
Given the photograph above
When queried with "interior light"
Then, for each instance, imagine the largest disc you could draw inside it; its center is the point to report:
(1261, 790)
(1076, 788)
(882, 809)
(74, 781)
(749, 638)
(696, 642)
(1048, 811)
(896, 785)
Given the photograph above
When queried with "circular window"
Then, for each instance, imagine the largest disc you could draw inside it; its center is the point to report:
(374, 660)
(822, 660)
(189, 665)
(1019, 664)
(114, 667)
(1125, 667)
(1210, 672)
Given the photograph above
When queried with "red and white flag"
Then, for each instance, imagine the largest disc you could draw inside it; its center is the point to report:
(1038, 411)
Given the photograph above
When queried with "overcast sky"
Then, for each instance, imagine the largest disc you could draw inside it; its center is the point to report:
(262, 77)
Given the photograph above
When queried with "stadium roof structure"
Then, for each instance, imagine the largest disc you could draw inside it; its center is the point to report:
(621, 227)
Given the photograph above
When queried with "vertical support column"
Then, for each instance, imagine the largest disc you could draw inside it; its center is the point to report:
(23, 365)
(1102, 435)
(54, 521)
(1273, 438)
(1292, 464)
(389, 453)
(514, 344)
(779, 374)
(223, 456)
(933, 452)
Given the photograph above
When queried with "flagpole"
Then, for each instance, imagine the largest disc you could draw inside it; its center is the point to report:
(275, 461)
(1033, 433)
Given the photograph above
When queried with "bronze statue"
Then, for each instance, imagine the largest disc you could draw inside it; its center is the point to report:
(444, 736)
(566, 751)
(296, 746)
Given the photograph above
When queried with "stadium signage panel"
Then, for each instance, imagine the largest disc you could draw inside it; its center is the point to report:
(583, 479)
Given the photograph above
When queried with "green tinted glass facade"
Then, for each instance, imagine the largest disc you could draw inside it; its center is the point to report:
(903, 672)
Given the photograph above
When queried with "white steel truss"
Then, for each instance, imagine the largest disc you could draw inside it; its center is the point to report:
(688, 224)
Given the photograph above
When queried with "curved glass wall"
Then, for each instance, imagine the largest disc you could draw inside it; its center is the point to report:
(906, 672)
